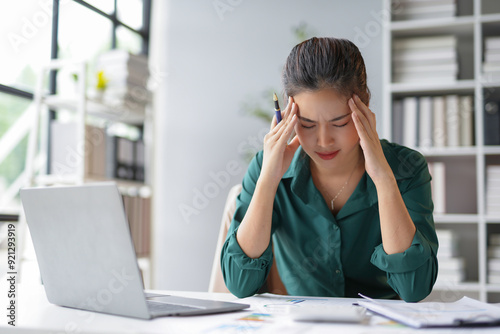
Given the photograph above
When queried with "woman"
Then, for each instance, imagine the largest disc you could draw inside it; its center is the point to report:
(341, 211)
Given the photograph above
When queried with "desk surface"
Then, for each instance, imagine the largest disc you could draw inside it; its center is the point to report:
(37, 315)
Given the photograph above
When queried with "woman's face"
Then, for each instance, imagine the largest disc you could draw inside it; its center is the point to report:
(325, 128)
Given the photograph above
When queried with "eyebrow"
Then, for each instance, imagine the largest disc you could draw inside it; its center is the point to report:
(332, 120)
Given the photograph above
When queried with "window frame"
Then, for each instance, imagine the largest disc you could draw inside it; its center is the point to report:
(143, 32)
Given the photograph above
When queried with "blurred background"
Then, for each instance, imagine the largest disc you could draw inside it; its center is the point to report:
(213, 66)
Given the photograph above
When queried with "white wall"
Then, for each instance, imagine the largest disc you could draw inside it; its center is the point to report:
(207, 58)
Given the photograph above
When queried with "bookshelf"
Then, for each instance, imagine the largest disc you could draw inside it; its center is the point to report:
(84, 150)
(466, 24)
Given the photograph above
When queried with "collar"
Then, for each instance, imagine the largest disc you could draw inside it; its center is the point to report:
(365, 194)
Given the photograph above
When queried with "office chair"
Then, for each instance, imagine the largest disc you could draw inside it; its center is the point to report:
(273, 282)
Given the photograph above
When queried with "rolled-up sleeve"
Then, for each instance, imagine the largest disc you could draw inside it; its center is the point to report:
(244, 276)
(412, 273)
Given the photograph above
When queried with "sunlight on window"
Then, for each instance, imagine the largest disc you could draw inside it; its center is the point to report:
(11, 163)
(130, 12)
(107, 6)
(26, 30)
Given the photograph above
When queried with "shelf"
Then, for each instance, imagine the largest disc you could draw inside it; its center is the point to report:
(458, 151)
(465, 170)
(493, 287)
(449, 218)
(491, 150)
(462, 286)
(461, 25)
(459, 86)
(487, 83)
(490, 18)
(493, 219)
(96, 108)
(125, 186)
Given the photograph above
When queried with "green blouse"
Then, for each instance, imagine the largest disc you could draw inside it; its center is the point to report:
(319, 254)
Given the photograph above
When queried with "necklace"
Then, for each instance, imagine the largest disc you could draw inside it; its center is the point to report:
(341, 189)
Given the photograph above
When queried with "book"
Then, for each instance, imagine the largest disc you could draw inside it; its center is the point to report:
(413, 10)
(410, 127)
(493, 195)
(431, 58)
(466, 311)
(66, 152)
(442, 77)
(452, 121)
(491, 123)
(452, 264)
(139, 160)
(124, 158)
(427, 42)
(438, 186)
(427, 67)
(450, 276)
(494, 265)
(494, 251)
(466, 108)
(425, 120)
(491, 56)
(494, 278)
(492, 43)
(397, 121)
(494, 239)
(410, 56)
(439, 121)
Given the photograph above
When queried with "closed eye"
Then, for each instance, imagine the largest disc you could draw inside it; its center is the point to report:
(307, 127)
(341, 126)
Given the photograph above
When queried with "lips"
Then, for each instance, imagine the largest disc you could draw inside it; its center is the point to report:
(327, 155)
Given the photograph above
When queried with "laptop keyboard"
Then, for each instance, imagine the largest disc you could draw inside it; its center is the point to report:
(157, 308)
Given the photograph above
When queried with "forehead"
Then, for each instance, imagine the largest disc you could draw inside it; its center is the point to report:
(327, 102)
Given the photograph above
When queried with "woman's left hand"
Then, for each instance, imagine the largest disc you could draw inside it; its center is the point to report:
(376, 164)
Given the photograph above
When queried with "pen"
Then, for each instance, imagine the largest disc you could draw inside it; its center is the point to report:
(277, 109)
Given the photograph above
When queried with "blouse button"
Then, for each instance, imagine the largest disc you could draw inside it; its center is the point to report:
(337, 271)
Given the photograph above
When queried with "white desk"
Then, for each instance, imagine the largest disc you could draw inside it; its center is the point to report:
(37, 315)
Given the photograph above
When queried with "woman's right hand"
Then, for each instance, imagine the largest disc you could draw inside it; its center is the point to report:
(278, 151)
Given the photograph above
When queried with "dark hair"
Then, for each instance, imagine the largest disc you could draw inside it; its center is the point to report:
(319, 63)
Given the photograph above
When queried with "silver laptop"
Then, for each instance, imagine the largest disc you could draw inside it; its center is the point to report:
(87, 259)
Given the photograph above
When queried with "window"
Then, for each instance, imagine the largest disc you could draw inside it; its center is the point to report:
(38, 31)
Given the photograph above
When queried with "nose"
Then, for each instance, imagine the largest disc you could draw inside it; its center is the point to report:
(325, 137)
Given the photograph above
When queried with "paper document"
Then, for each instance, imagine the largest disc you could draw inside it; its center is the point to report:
(464, 312)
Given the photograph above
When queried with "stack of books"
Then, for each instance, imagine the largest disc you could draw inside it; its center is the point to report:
(106, 155)
(138, 210)
(126, 77)
(438, 186)
(491, 64)
(494, 259)
(423, 9)
(493, 190)
(425, 59)
(451, 267)
(434, 121)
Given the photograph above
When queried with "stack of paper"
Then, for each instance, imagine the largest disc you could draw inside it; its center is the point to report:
(451, 266)
(428, 59)
(493, 190)
(126, 78)
(494, 259)
(491, 64)
(423, 9)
